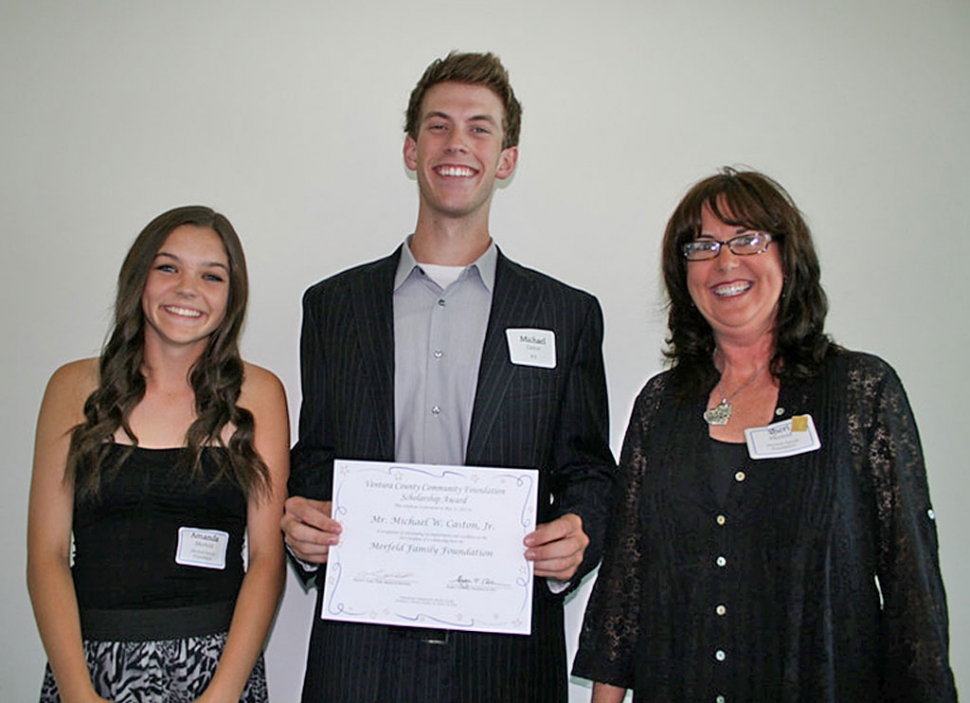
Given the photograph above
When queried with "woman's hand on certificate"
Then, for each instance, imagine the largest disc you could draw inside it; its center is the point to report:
(308, 529)
(557, 547)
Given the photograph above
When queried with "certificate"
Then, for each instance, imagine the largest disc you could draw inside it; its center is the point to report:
(432, 546)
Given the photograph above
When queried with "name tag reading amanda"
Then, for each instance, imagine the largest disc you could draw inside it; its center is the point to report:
(203, 548)
(791, 437)
(531, 347)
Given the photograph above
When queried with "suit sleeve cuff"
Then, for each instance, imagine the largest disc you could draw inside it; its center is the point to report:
(306, 566)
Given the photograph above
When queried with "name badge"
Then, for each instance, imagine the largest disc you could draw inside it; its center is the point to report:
(532, 347)
(780, 439)
(204, 548)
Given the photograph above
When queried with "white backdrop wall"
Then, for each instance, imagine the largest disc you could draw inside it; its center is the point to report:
(287, 117)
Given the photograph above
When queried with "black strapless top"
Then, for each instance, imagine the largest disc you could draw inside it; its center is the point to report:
(126, 539)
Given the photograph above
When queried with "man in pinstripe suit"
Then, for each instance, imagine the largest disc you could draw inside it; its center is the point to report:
(413, 358)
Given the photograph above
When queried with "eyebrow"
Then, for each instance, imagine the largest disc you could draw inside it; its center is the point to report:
(205, 264)
(473, 118)
(738, 231)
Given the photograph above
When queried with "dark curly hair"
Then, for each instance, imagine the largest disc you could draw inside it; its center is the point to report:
(753, 200)
(216, 378)
(475, 69)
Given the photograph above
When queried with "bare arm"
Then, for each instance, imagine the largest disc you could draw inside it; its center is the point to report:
(605, 693)
(261, 587)
(50, 516)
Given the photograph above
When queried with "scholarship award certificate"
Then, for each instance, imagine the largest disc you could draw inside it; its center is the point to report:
(432, 546)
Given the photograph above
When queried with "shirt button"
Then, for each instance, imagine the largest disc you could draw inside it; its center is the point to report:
(721, 561)
(720, 655)
(779, 411)
(739, 476)
(438, 353)
(441, 302)
(721, 520)
(720, 610)
(720, 699)
(435, 410)
(930, 514)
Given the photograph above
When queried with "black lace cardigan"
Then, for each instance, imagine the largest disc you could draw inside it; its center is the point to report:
(816, 578)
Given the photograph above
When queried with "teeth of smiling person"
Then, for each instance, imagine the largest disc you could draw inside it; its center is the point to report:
(459, 171)
(185, 312)
(731, 289)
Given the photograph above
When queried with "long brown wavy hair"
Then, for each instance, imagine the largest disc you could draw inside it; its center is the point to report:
(753, 200)
(216, 378)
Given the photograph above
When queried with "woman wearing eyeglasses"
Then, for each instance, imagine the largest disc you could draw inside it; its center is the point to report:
(772, 537)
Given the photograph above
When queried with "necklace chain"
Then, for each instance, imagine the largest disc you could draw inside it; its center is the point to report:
(721, 413)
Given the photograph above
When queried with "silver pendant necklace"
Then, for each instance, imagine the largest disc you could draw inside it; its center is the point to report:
(721, 413)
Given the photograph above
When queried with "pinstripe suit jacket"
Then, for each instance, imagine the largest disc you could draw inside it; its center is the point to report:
(555, 420)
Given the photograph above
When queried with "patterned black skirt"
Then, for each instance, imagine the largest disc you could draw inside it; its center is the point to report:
(164, 671)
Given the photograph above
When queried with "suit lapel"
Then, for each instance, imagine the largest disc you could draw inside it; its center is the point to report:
(513, 302)
(374, 315)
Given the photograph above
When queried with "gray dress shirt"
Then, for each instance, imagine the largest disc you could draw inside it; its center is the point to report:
(438, 339)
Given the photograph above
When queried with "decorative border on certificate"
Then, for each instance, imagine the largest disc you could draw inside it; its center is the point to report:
(432, 546)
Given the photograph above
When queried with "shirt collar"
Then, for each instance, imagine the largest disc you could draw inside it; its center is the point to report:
(484, 264)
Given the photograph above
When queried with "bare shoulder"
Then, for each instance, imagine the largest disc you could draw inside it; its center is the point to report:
(83, 372)
(261, 384)
(72, 383)
(67, 390)
(262, 392)
(263, 395)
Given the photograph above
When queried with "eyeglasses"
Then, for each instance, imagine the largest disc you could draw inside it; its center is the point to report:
(742, 245)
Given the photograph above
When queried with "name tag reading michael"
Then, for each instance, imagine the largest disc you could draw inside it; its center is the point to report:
(431, 546)
(529, 347)
(203, 548)
(787, 438)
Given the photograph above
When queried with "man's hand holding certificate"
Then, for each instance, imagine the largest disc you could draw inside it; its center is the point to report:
(432, 546)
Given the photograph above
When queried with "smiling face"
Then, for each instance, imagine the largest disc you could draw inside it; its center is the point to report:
(458, 153)
(187, 290)
(737, 295)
